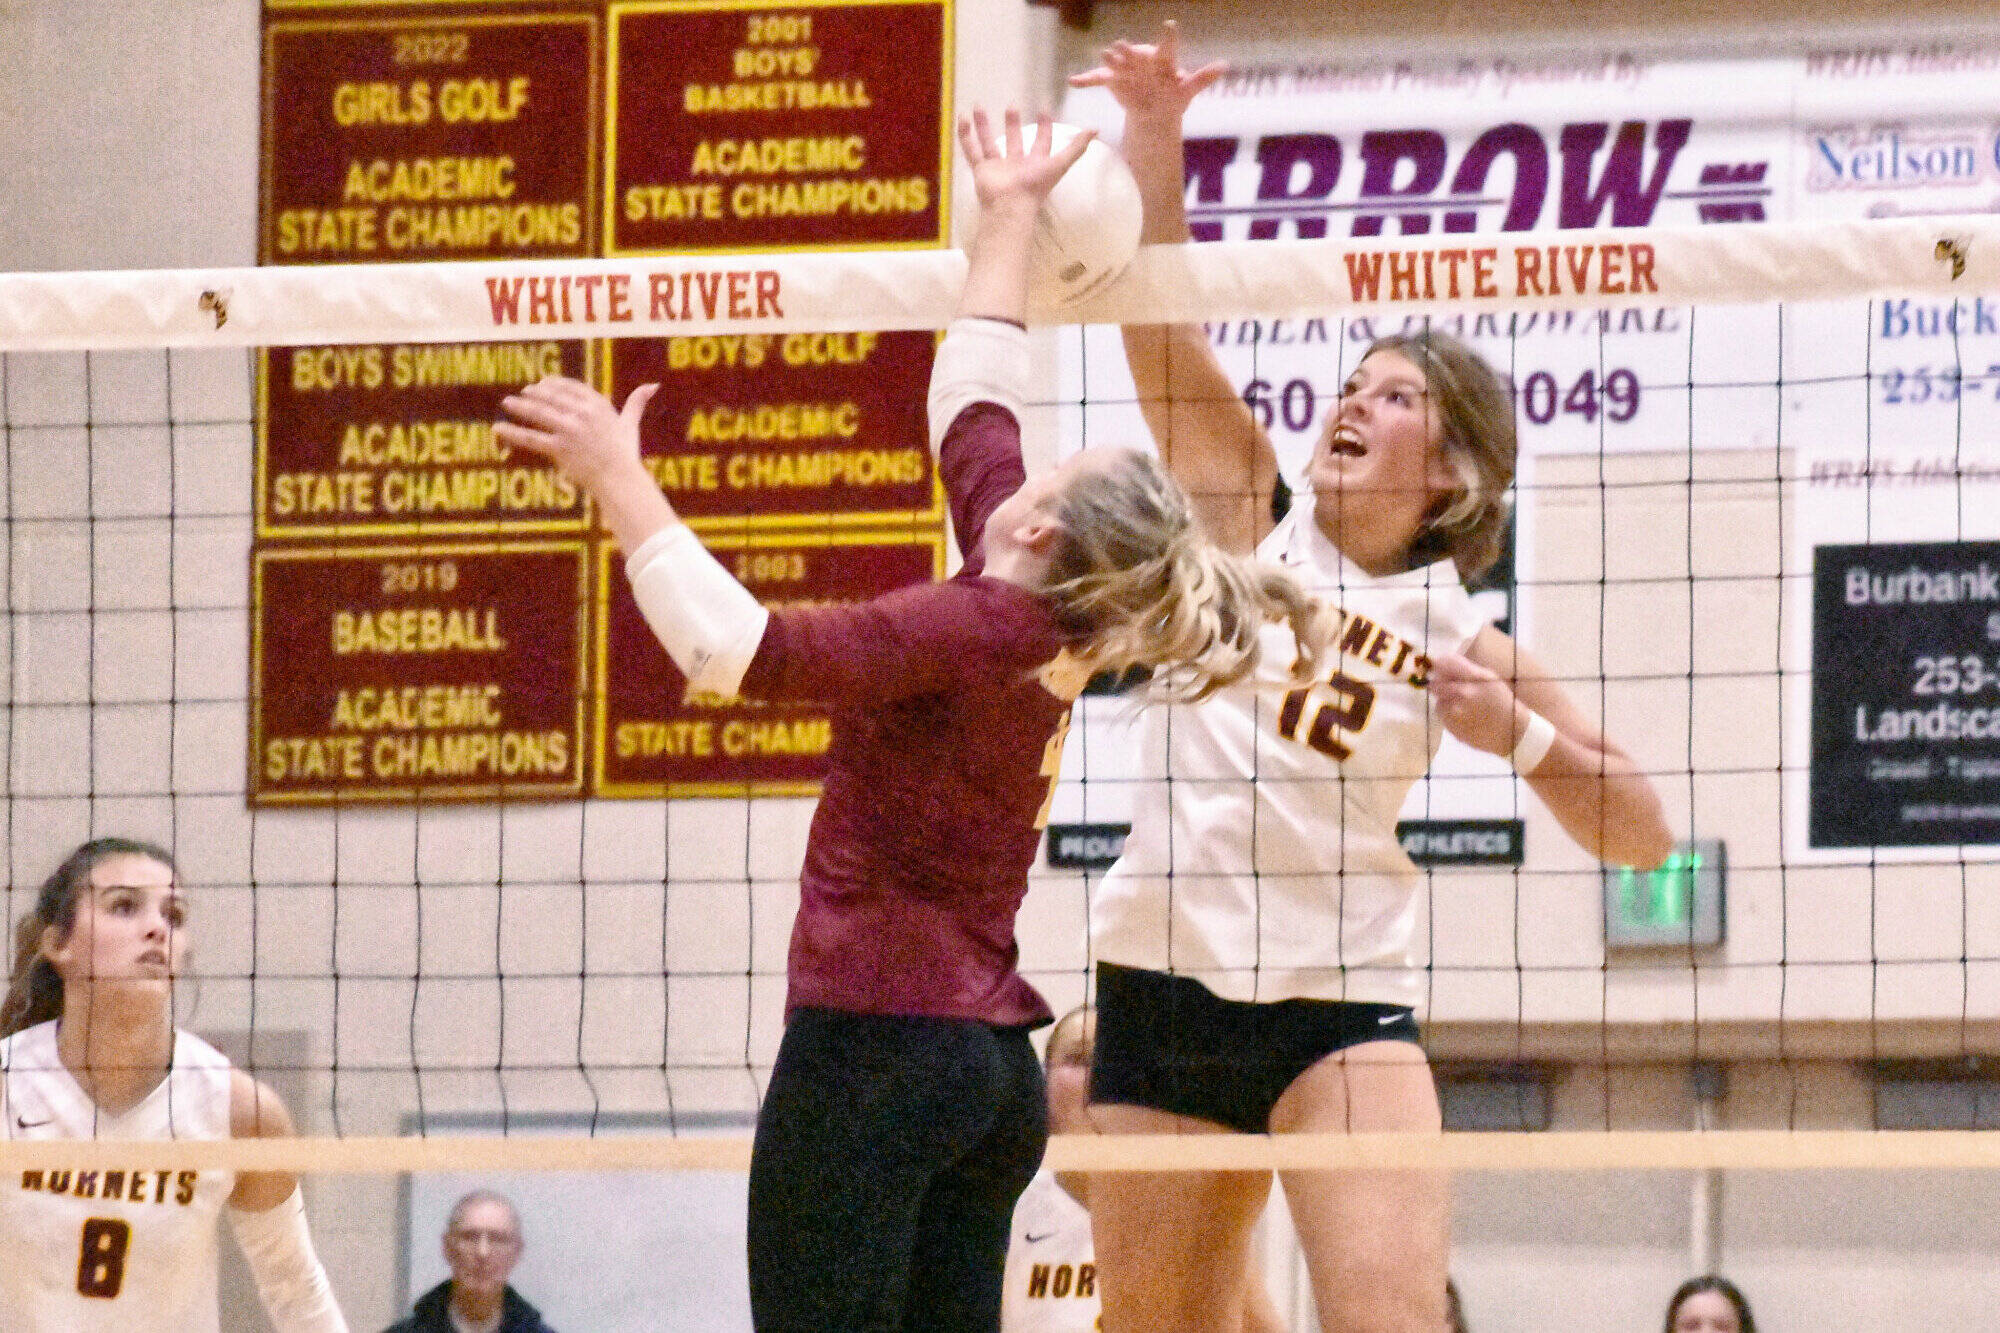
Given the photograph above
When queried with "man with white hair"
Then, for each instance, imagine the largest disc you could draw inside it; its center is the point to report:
(482, 1243)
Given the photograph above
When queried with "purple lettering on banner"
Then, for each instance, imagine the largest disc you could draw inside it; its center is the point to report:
(1531, 176)
(1631, 203)
(1205, 161)
(1383, 152)
(1725, 177)
(1280, 155)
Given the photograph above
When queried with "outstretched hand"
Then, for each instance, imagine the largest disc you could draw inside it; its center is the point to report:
(1475, 704)
(1006, 166)
(574, 426)
(1147, 78)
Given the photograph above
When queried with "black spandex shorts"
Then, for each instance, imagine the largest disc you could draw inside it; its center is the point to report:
(890, 1152)
(1172, 1044)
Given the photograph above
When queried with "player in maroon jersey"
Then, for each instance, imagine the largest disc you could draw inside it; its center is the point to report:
(905, 1112)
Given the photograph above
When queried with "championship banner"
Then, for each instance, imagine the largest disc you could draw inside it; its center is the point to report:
(656, 739)
(434, 671)
(438, 183)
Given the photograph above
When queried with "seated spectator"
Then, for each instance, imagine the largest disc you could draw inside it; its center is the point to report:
(482, 1243)
(1051, 1279)
(1709, 1304)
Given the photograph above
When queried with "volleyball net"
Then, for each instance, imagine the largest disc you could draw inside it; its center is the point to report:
(476, 884)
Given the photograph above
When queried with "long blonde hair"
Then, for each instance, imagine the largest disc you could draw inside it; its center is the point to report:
(1138, 583)
(35, 991)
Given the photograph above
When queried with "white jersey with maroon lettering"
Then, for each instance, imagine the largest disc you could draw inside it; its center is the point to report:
(1263, 859)
(1051, 1280)
(96, 1250)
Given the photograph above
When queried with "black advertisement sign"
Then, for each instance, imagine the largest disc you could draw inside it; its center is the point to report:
(1086, 846)
(1906, 695)
(1462, 842)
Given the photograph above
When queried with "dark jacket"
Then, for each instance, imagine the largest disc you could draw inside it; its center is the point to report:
(433, 1314)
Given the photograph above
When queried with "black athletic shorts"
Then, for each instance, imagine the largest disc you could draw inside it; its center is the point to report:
(1172, 1044)
(889, 1154)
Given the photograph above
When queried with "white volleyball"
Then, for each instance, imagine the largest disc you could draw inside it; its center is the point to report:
(1088, 228)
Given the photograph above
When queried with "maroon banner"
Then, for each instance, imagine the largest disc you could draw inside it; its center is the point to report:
(656, 739)
(787, 429)
(420, 617)
(434, 672)
(397, 439)
(433, 136)
(739, 126)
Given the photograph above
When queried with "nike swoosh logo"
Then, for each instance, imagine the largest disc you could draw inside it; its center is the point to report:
(30, 1124)
(1386, 1019)
(1036, 1240)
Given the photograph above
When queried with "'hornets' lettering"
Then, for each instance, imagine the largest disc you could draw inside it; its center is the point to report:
(131, 1186)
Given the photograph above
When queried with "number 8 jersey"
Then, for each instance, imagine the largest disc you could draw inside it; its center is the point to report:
(1263, 859)
(89, 1248)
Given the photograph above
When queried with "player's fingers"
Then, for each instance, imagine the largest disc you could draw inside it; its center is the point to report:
(1043, 134)
(1207, 75)
(563, 394)
(635, 402)
(574, 394)
(968, 140)
(1457, 666)
(1091, 78)
(1074, 148)
(1011, 123)
(535, 411)
(983, 127)
(555, 385)
(1170, 44)
(520, 437)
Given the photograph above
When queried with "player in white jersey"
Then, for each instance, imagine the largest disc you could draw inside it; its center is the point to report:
(1051, 1282)
(90, 1052)
(1256, 970)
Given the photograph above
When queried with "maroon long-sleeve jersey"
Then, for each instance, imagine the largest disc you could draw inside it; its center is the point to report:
(944, 751)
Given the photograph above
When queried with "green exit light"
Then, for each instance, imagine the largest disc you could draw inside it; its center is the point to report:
(1679, 903)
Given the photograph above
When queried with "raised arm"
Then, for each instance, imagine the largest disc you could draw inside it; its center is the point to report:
(707, 621)
(983, 358)
(269, 1219)
(1500, 699)
(1205, 433)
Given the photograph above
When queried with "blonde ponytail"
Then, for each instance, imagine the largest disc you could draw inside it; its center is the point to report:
(1139, 584)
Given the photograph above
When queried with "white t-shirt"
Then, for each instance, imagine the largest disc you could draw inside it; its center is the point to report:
(1051, 1280)
(108, 1251)
(1263, 859)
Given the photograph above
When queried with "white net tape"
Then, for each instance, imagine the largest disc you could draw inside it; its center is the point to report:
(248, 307)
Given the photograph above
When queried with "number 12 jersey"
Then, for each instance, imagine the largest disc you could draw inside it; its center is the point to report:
(1263, 859)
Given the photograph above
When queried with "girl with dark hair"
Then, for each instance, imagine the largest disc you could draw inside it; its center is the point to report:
(1710, 1304)
(1255, 943)
(905, 1112)
(88, 1050)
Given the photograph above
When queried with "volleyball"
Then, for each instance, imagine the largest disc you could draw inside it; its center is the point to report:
(1088, 228)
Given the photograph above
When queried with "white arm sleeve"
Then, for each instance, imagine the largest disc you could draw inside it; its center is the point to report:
(979, 361)
(707, 621)
(290, 1280)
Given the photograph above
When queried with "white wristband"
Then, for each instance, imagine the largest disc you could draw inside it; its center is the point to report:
(1533, 747)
